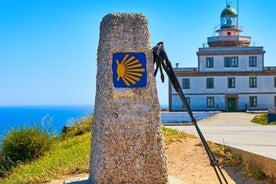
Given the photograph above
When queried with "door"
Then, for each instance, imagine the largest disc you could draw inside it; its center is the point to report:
(231, 105)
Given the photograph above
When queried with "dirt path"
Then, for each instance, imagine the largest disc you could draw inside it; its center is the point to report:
(187, 161)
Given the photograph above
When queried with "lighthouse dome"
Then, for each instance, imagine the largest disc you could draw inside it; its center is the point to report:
(229, 12)
(228, 18)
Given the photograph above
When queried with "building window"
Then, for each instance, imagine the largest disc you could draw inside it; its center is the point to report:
(231, 82)
(253, 82)
(210, 102)
(186, 83)
(210, 83)
(231, 62)
(253, 101)
(274, 82)
(274, 101)
(252, 61)
(209, 62)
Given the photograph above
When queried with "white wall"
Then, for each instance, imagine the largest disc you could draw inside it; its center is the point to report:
(198, 93)
(219, 64)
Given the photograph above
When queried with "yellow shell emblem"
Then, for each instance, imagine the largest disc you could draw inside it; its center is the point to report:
(130, 70)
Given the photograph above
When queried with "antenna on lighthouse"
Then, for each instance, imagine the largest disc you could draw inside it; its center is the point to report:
(228, 2)
(238, 13)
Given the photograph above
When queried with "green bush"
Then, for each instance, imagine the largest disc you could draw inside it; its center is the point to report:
(5, 165)
(226, 156)
(255, 171)
(80, 127)
(262, 119)
(25, 144)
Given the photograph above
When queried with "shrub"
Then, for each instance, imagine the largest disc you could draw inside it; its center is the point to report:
(80, 127)
(260, 119)
(226, 155)
(25, 144)
(255, 171)
(5, 165)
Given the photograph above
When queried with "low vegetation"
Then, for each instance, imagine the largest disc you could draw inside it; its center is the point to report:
(69, 154)
(42, 156)
(74, 142)
(253, 170)
(21, 146)
(80, 127)
(26, 144)
(226, 156)
(171, 135)
(66, 157)
(262, 119)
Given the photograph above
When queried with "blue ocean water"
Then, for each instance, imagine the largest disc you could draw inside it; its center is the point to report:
(51, 118)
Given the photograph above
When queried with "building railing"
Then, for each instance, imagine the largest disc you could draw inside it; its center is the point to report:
(229, 38)
(188, 69)
(233, 50)
(270, 68)
(230, 49)
(220, 107)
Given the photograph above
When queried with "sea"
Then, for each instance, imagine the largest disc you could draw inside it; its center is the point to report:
(54, 118)
(48, 118)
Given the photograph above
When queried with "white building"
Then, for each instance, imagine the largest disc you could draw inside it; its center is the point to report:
(230, 76)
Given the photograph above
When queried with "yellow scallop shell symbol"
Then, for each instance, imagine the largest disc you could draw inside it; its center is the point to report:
(130, 70)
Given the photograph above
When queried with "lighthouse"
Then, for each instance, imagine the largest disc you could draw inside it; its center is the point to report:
(229, 32)
(230, 74)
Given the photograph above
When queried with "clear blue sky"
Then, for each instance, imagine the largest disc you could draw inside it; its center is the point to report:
(48, 47)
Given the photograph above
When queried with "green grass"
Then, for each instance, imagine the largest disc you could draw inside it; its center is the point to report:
(71, 152)
(171, 135)
(67, 156)
(233, 159)
(262, 120)
(80, 127)
(253, 170)
(25, 144)
(226, 156)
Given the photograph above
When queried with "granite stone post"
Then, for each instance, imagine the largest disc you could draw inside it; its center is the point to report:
(127, 143)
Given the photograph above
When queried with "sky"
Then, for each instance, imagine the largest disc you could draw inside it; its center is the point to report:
(48, 48)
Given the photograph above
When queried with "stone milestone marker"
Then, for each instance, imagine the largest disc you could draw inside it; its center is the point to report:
(127, 143)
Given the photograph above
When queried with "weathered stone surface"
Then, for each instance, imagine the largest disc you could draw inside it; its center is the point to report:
(127, 142)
